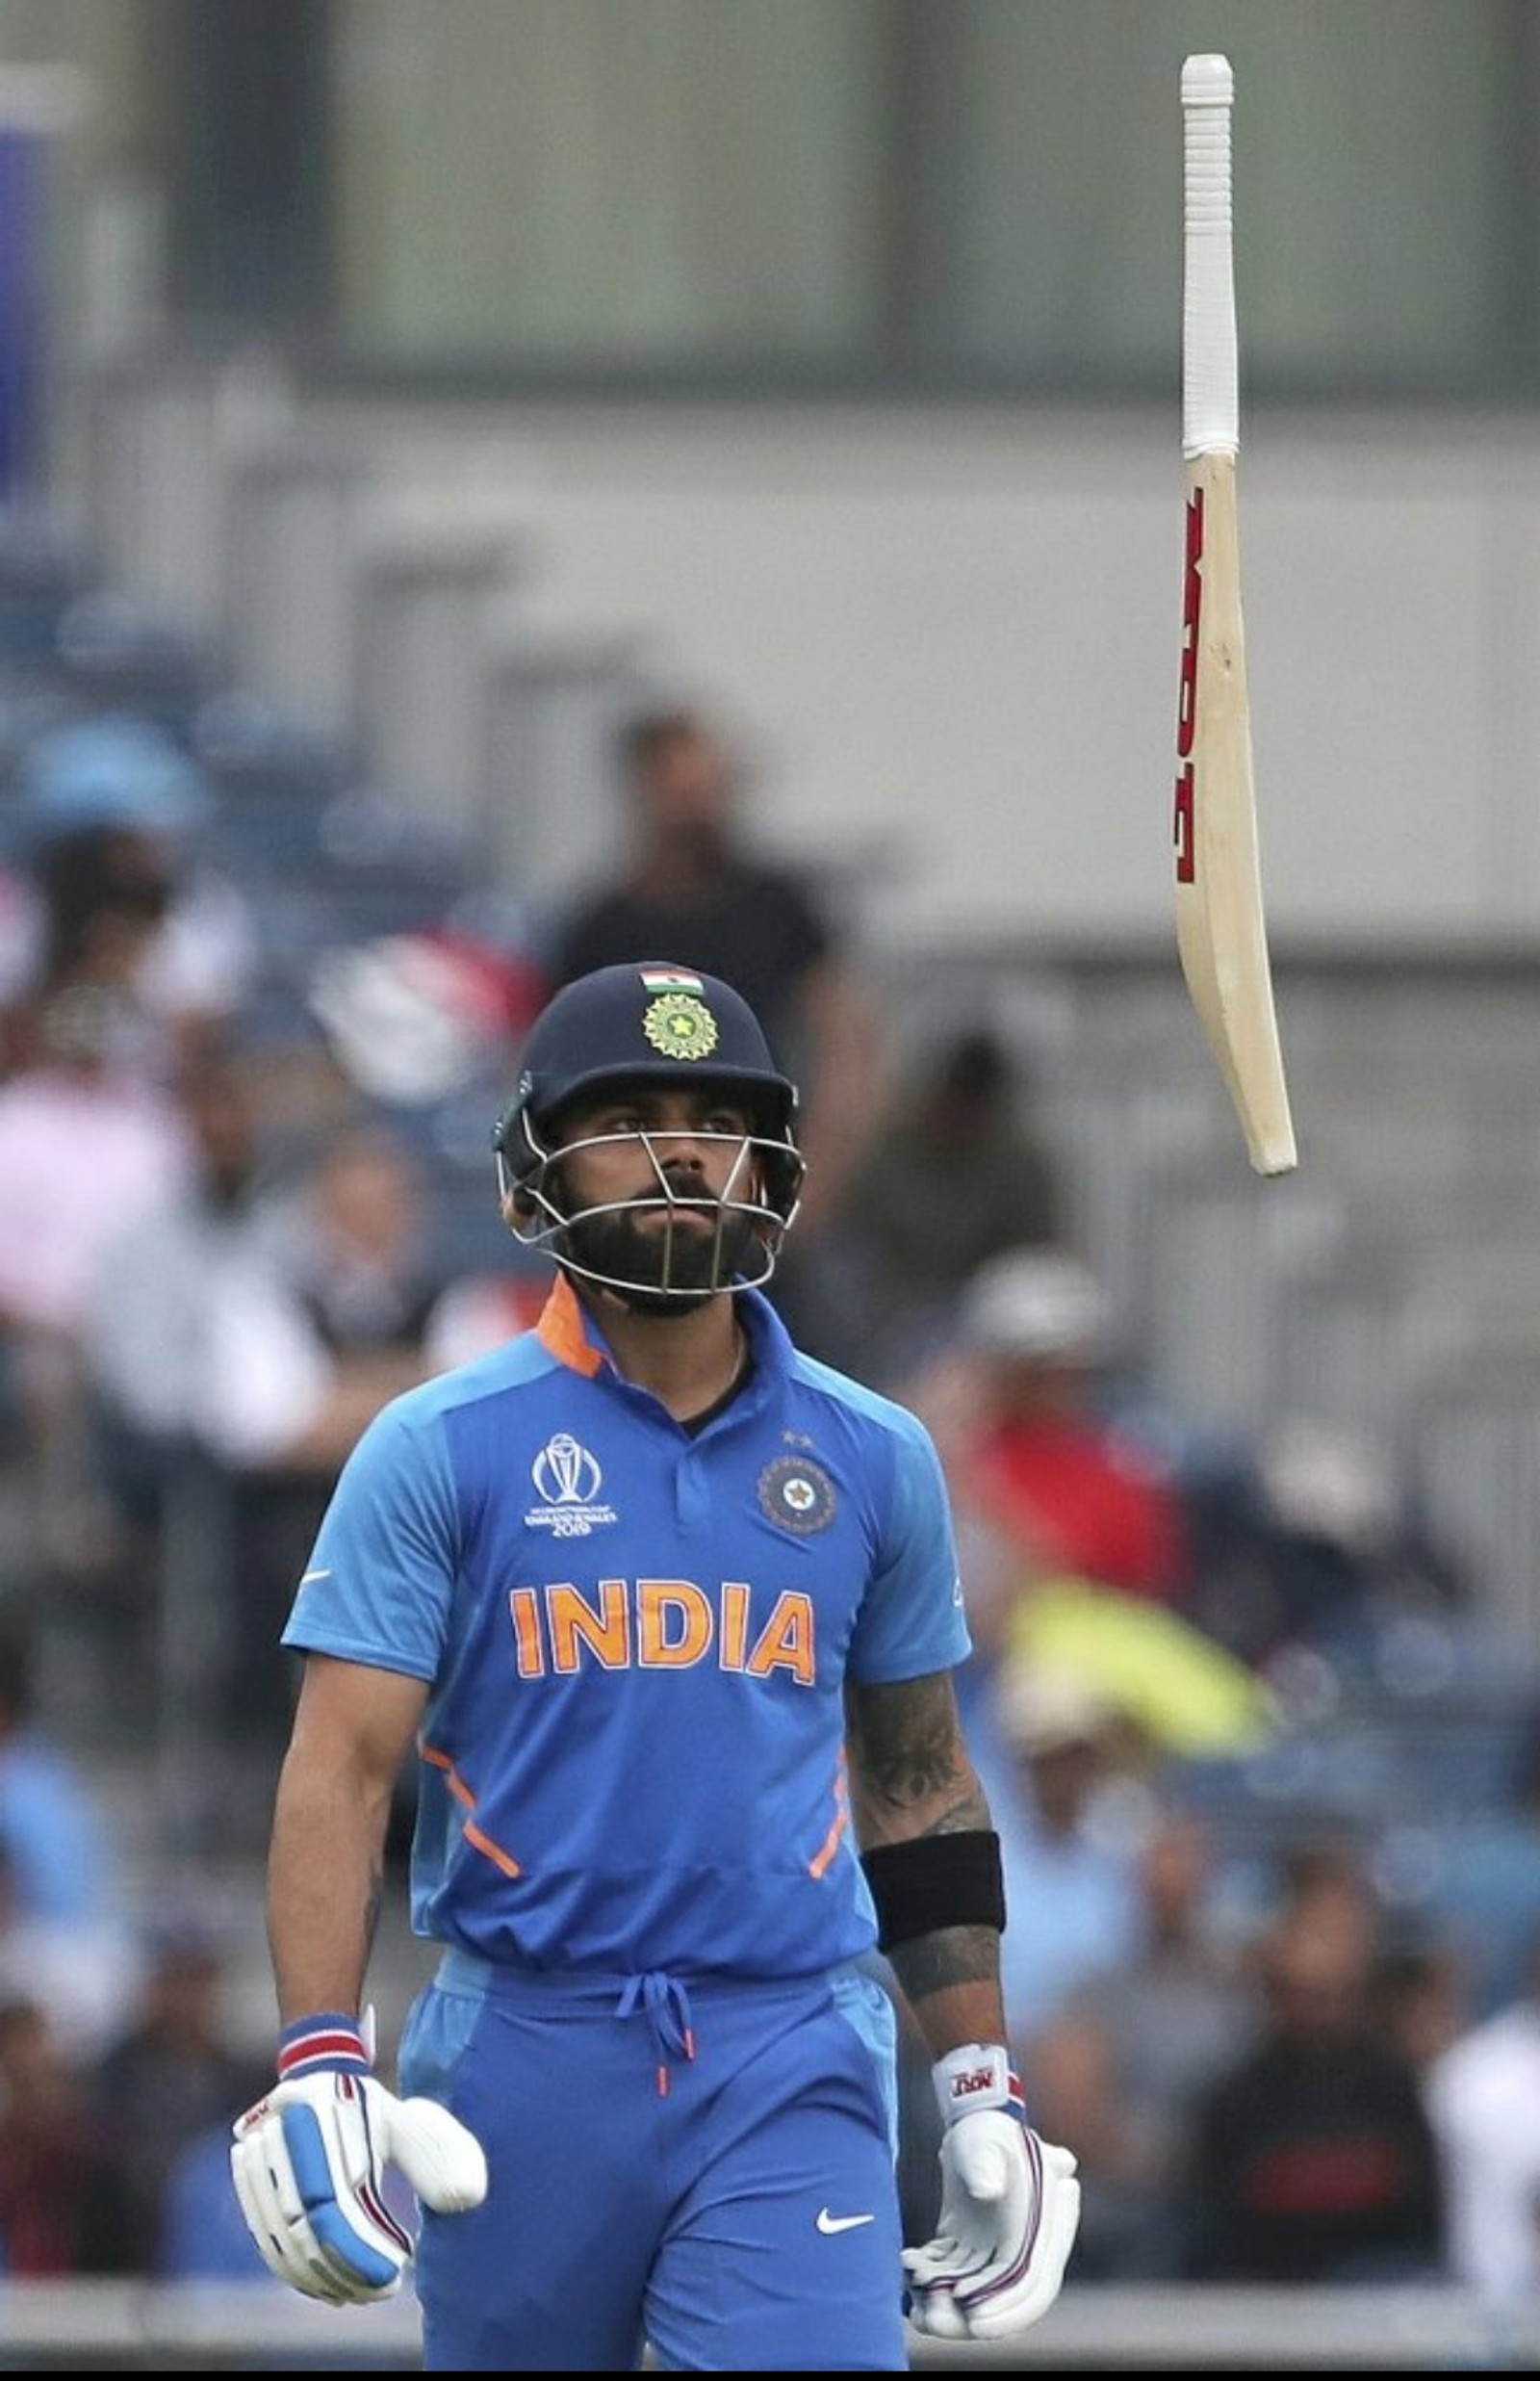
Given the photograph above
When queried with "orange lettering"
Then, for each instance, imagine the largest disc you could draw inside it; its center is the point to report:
(573, 1623)
(671, 1605)
(787, 1641)
(734, 1646)
(524, 1612)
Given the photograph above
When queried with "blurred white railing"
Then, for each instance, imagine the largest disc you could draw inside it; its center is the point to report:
(124, 2326)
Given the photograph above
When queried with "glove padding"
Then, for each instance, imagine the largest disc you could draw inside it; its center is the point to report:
(1009, 2216)
(309, 2161)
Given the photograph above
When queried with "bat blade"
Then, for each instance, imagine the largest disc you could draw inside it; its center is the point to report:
(1221, 926)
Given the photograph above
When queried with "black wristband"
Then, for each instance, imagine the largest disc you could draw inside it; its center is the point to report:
(934, 1881)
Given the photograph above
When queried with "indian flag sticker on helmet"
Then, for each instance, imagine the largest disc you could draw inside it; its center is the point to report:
(670, 979)
(679, 1025)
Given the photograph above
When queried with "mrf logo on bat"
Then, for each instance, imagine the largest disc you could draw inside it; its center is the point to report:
(1186, 693)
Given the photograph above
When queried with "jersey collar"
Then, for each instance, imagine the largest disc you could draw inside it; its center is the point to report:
(569, 1333)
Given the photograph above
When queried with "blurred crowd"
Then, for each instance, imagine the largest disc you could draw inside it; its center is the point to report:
(235, 1176)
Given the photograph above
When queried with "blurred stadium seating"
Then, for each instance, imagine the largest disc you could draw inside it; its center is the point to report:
(1355, 1292)
(350, 637)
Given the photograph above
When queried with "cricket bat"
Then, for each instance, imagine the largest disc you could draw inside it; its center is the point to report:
(1220, 928)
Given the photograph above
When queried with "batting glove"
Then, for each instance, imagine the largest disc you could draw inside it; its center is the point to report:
(309, 2162)
(1010, 2208)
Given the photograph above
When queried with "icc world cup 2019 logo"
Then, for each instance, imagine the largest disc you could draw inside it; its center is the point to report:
(567, 1479)
(566, 1473)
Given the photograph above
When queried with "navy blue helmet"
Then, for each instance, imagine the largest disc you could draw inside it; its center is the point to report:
(642, 1026)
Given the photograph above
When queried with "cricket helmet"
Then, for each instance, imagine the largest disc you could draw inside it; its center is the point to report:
(650, 1026)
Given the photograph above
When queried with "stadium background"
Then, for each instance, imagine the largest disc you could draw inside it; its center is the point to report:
(452, 378)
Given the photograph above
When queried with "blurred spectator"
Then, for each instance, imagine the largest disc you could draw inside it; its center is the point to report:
(1320, 1871)
(56, 1837)
(1072, 1814)
(1308, 1539)
(82, 1970)
(1485, 1894)
(1483, 2093)
(417, 1017)
(1313, 2155)
(66, 1103)
(84, 1153)
(109, 887)
(279, 1318)
(1169, 1679)
(1048, 1480)
(1118, 2072)
(144, 1332)
(1191, 1697)
(481, 1310)
(147, 1334)
(961, 1169)
(1418, 1991)
(64, 2209)
(354, 1243)
(693, 891)
(169, 2075)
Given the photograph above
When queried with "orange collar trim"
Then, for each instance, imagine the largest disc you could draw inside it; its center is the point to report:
(561, 1329)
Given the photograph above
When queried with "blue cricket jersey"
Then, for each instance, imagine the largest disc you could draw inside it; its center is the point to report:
(637, 1641)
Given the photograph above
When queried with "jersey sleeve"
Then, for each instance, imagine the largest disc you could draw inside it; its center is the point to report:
(378, 1584)
(911, 1619)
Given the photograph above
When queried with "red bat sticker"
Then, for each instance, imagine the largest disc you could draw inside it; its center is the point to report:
(1187, 699)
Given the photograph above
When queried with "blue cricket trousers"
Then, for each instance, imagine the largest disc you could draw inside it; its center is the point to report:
(708, 2171)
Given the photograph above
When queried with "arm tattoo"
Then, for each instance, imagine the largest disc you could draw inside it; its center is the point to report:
(911, 1776)
(955, 1956)
(910, 1772)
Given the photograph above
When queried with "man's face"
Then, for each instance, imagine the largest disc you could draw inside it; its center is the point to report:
(643, 1179)
(686, 789)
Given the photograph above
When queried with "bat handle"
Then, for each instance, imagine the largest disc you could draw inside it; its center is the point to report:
(1211, 405)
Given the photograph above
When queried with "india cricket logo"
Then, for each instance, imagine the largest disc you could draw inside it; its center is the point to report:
(679, 1025)
(797, 1494)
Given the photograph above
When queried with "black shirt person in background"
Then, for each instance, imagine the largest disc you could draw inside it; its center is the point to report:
(694, 893)
(1314, 2159)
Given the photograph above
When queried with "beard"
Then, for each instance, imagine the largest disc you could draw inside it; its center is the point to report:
(661, 1273)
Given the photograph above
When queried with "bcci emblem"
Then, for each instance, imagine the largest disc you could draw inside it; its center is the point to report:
(679, 1025)
(797, 1495)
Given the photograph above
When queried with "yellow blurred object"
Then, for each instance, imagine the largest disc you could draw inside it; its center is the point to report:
(1185, 1691)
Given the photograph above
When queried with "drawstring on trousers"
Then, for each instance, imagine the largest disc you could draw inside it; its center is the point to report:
(666, 2005)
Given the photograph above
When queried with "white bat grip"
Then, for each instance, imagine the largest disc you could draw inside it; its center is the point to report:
(1211, 396)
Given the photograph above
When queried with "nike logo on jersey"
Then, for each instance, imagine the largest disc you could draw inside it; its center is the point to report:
(312, 1576)
(841, 2223)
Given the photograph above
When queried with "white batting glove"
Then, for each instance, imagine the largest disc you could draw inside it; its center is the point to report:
(1010, 2208)
(309, 2158)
